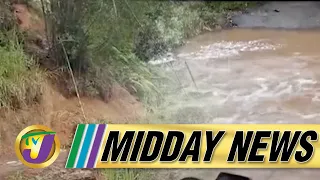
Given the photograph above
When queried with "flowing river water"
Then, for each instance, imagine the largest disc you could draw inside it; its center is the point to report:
(246, 76)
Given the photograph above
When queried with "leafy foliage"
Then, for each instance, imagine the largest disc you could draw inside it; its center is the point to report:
(97, 38)
(108, 41)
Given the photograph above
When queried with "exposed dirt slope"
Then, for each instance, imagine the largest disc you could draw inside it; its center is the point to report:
(62, 115)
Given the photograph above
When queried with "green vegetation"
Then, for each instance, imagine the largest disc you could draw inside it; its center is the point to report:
(168, 24)
(108, 41)
(20, 78)
(98, 39)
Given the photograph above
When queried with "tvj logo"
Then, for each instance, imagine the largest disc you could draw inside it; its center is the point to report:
(37, 146)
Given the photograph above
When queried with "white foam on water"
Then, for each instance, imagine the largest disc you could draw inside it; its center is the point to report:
(261, 79)
(225, 120)
(302, 81)
(222, 49)
(309, 116)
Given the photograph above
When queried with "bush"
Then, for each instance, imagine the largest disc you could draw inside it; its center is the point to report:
(96, 37)
(20, 79)
(168, 24)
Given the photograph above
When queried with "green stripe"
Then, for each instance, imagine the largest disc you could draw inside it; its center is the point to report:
(75, 146)
(36, 134)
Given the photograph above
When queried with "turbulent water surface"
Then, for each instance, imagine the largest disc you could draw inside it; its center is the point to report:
(247, 76)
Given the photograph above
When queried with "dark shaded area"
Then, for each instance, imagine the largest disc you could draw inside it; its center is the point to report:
(227, 176)
(190, 178)
(222, 176)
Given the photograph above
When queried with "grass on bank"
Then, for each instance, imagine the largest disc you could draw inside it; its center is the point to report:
(20, 78)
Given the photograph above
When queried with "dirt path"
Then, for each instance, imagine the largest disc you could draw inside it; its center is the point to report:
(14, 166)
(13, 170)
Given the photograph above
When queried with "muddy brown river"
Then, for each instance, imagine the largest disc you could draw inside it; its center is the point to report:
(245, 76)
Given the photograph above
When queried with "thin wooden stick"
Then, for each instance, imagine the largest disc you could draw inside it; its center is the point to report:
(194, 82)
(115, 8)
(74, 81)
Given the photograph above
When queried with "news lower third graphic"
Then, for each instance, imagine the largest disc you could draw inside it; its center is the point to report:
(37, 146)
(195, 146)
(175, 146)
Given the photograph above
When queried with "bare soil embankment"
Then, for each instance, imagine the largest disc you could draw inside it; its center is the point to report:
(62, 115)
